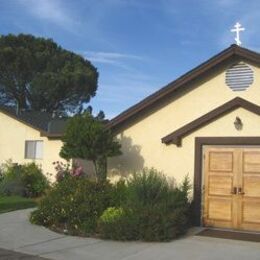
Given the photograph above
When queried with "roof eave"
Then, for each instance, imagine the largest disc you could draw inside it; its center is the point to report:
(177, 136)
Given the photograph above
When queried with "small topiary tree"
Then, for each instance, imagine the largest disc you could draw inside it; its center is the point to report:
(86, 137)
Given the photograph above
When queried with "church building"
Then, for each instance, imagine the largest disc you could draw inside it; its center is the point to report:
(205, 124)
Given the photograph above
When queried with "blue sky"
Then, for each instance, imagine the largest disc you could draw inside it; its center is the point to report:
(138, 46)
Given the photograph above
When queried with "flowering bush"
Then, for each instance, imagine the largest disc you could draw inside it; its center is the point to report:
(64, 169)
(77, 171)
(145, 207)
(73, 205)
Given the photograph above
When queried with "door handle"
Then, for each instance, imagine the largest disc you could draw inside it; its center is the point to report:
(234, 190)
(239, 191)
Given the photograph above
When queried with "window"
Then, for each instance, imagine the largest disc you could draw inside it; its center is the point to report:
(33, 149)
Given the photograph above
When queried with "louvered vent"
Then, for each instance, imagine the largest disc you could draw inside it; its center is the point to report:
(239, 77)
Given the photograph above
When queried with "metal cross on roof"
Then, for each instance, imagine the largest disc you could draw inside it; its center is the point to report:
(237, 30)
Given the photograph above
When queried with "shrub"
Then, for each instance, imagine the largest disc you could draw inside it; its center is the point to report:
(11, 183)
(64, 169)
(111, 214)
(74, 204)
(119, 193)
(34, 180)
(154, 210)
(23, 180)
(119, 224)
(1, 175)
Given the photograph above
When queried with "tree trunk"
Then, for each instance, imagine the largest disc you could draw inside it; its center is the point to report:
(102, 168)
(96, 169)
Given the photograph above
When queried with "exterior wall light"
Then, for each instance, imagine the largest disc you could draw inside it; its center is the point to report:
(238, 124)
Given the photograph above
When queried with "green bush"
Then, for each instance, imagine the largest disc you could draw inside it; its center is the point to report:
(23, 180)
(154, 210)
(119, 193)
(34, 180)
(74, 204)
(12, 183)
(145, 207)
(118, 224)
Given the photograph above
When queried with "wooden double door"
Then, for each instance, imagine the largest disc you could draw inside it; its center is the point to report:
(231, 190)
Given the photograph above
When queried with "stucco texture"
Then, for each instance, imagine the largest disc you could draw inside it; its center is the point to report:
(141, 139)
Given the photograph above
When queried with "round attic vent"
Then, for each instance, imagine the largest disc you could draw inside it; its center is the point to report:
(239, 77)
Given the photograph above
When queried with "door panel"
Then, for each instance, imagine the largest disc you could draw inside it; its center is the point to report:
(220, 161)
(249, 218)
(219, 209)
(251, 161)
(219, 168)
(250, 212)
(252, 186)
(220, 185)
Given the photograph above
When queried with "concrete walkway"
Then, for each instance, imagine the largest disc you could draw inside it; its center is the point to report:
(17, 234)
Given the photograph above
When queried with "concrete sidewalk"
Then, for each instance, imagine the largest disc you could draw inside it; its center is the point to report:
(17, 234)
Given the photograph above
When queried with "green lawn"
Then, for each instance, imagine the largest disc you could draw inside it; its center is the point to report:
(11, 203)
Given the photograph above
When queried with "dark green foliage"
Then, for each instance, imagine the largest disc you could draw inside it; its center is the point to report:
(154, 210)
(146, 207)
(12, 183)
(37, 74)
(74, 204)
(120, 193)
(1, 175)
(23, 180)
(11, 203)
(86, 137)
(34, 180)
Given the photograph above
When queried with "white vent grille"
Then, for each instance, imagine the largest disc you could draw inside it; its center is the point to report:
(239, 77)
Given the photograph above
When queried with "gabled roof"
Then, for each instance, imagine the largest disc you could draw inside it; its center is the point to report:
(44, 122)
(230, 54)
(176, 136)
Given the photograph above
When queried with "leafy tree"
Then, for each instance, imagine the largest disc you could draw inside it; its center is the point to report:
(86, 137)
(37, 74)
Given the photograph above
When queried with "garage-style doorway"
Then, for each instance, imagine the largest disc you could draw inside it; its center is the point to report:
(231, 187)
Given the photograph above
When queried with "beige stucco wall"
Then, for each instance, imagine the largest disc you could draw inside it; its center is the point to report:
(13, 135)
(141, 141)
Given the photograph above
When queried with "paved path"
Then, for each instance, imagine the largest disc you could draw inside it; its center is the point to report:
(11, 255)
(17, 234)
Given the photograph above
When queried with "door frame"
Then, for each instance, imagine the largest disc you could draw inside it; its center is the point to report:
(199, 143)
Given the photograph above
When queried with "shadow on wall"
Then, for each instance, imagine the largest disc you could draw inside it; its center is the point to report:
(127, 163)
(118, 166)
